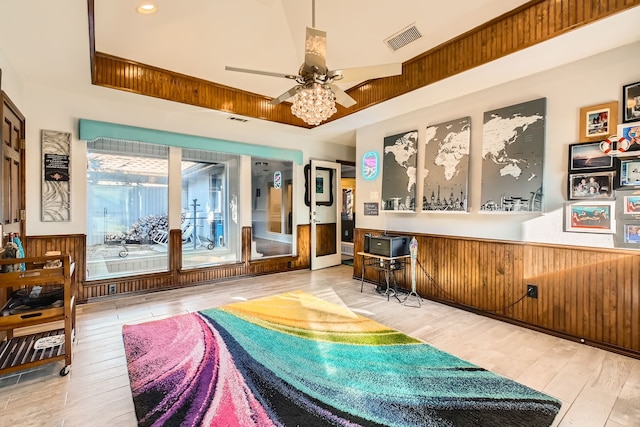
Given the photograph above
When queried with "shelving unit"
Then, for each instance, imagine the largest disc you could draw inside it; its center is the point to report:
(18, 349)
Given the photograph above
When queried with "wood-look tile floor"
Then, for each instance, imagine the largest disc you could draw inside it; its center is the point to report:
(597, 388)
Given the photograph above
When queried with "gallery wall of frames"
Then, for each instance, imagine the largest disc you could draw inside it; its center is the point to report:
(603, 184)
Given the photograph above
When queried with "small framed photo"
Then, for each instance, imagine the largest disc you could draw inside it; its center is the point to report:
(587, 156)
(631, 102)
(322, 185)
(598, 121)
(590, 217)
(595, 185)
(629, 172)
(631, 132)
(628, 235)
(628, 204)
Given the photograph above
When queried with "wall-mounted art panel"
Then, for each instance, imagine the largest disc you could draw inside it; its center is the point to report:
(446, 166)
(512, 157)
(399, 172)
(56, 191)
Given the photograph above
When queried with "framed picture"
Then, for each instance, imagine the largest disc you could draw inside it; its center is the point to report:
(628, 204)
(590, 217)
(629, 172)
(588, 156)
(631, 132)
(598, 121)
(56, 182)
(628, 234)
(322, 185)
(631, 102)
(399, 163)
(595, 185)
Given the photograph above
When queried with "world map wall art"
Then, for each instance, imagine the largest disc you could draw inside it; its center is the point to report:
(399, 172)
(512, 157)
(446, 166)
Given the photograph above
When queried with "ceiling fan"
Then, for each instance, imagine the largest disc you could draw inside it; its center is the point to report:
(314, 74)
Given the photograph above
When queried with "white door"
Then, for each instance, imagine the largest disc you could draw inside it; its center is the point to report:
(324, 183)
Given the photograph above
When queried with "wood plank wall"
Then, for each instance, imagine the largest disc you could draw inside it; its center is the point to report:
(530, 24)
(584, 293)
(326, 239)
(75, 245)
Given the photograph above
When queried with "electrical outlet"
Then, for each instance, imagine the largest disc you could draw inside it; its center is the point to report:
(532, 291)
(113, 289)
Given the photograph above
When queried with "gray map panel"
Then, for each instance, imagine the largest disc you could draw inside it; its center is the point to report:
(512, 157)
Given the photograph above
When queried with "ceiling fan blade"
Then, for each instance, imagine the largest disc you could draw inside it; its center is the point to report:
(263, 73)
(366, 73)
(342, 97)
(315, 50)
(288, 94)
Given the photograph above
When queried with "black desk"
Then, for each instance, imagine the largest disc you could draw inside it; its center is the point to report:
(388, 265)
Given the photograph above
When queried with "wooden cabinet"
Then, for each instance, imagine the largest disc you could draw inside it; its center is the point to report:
(37, 334)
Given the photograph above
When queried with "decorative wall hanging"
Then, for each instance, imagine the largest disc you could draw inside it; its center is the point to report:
(628, 234)
(628, 204)
(277, 180)
(588, 157)
(370, 165)
(399, 172)
(598, 121)
(446, 166)
(630, 132)
(629, 173)
(595, 185)
(56, 191)
(322, 184)
(370, 209)
(615, 146)
(590, 217)
(628, 218)
(631, 102)
(512, 157)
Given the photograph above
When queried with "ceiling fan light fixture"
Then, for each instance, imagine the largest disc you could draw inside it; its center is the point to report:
(314, 103)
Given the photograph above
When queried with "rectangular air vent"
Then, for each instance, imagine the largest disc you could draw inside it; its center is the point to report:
(238, 119)
(403, 37)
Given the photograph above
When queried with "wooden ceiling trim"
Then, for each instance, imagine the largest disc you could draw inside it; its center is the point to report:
(532, 23)
(529, 25)
(130, 76)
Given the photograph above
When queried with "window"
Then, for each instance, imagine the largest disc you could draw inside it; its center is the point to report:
(209, 218)
(127, 208)
(272, 213)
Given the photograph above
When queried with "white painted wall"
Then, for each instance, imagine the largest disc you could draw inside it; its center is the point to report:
(11, 82)
(590, 81)
(567, 88)
(54, 109)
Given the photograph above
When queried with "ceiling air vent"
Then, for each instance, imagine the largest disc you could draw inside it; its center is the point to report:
(238, 119)
(403, 37)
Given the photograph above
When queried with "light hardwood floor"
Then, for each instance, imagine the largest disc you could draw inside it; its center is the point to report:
(597, 388)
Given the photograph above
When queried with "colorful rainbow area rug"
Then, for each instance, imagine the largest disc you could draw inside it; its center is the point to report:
(296, 360)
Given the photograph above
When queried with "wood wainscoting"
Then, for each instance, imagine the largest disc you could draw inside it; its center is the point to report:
(75, 245)
(585, 294)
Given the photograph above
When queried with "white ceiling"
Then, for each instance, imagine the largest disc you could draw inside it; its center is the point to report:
(47, 43)
(203, 37)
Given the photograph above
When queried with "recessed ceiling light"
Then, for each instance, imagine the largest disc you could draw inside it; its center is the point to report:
(146, 8)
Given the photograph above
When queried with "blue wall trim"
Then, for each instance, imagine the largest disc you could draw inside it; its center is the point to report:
(90, 130)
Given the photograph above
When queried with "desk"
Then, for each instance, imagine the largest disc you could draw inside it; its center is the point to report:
(389, 265)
